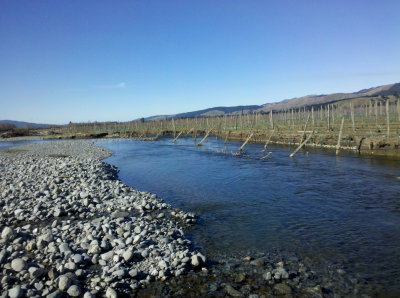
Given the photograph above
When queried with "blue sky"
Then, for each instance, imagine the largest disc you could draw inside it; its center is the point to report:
(64, 61)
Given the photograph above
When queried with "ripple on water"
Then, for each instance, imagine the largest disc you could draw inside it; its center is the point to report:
(330, 209)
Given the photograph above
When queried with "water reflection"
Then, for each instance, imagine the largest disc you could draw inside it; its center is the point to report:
(331, 208)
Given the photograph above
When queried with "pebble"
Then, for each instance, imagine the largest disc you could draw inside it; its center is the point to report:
(55, 294)
(71, 213)
(127, 255)
(36, 272)
(8, 233)
(232, 292)
(18, 264)
(111, 293)
(267, 276)
(195, 260)
(15, 292)
(77, 258)
(282, 289)
(74, 291)
(64, 282)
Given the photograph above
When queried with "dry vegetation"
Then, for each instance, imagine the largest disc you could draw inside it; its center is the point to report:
(371, 125)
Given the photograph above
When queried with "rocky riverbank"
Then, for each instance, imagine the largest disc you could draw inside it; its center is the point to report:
(70, 227)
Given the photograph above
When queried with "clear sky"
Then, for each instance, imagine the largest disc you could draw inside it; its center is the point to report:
(64, 61)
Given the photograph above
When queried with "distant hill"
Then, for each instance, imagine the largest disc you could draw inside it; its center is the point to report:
(217, 111)
(311, 100)
(24, 124)
(298, 102)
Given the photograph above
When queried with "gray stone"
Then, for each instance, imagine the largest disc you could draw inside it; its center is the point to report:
(136, 239)
(267, 276)
(64, 282)
(195, 260)
(8, 234)
(55, 294)
(127, 255)
(340, 271)
(71, 266)
(111, 293)
(3, 255)
(315, 291)
(119, 214)
(15, 292)
(77, 258)
(282, 289)
(232, 292)
(18, 264)
(89, 295)
(79, 272)
(258, 262)
(94, 248)
(107, 256)
(119, 273)
(58, 212)
(162, 264)
(133, 273)
(38, 285)
(36, 272)
(74, 291)
(64, 248)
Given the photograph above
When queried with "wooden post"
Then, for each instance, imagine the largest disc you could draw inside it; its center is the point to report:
(245, 142)
(312, 117)
(265, 156)
(292, 116)
(398, 108)
(352, 115)
(195, 130)
(205, 137)
(192, 129)
(340, 137)
(173, 125)
(387, 118)
(301, 145)
(305, 128)
(179, 134)
(370, 108)
(329, 118)
(271, 120)
(267, 142)
(227, 136)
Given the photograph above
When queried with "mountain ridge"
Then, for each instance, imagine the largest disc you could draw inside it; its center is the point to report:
(291, 103)
(24, 124)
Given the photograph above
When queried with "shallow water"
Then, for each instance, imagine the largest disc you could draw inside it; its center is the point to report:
(342, 210)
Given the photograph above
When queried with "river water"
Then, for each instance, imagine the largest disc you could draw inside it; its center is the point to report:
(342, 210)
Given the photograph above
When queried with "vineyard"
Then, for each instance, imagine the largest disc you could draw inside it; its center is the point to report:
(364, 125)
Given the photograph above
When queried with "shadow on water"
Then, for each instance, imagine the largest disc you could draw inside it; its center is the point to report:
(336, 209)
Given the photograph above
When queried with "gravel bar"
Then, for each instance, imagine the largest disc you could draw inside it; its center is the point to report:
(69, 227)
